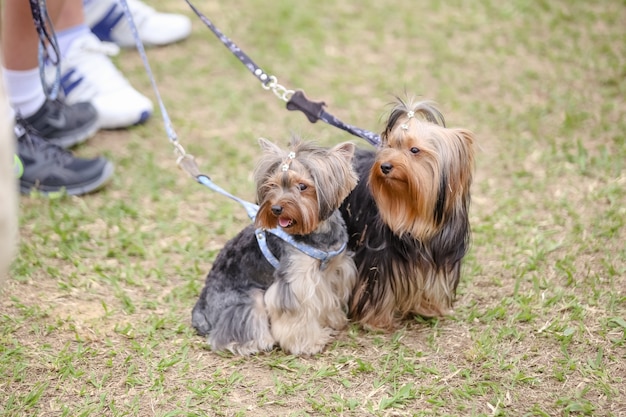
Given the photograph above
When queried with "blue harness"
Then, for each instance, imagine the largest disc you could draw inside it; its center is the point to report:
(261, 234)
(315, 253)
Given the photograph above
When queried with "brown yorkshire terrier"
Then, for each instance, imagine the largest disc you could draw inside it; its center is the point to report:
(297, 297)
(407, 218)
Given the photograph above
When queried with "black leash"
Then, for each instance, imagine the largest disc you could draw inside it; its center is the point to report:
(296, 100)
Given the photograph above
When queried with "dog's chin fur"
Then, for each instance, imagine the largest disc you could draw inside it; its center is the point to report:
(408, 220)
(247, 306)
(307, 305)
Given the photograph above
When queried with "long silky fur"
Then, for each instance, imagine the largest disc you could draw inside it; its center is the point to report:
(248, 306)
(409, 235)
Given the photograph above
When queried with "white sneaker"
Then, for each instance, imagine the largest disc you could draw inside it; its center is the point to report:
(87, 74)
(108, 22)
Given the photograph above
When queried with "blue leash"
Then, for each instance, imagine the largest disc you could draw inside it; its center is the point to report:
(46, 37)
(188, 164)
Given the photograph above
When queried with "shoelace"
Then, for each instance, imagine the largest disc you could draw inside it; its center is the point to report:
(54, 110)
(38, 145)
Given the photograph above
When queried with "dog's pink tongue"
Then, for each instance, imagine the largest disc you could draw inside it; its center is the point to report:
(284, 222)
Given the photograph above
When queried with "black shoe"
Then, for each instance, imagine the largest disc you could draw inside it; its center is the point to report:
(52, 170)
(62, 124)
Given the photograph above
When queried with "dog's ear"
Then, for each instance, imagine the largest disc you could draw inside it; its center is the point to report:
(466, 155)
(465, 135)
(269, 147)
(335, 178)
(346, 150)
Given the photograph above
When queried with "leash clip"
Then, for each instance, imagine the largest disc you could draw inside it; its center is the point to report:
(186, 161)
(278, 90)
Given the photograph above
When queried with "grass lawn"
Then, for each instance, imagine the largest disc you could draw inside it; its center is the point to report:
(95, 315)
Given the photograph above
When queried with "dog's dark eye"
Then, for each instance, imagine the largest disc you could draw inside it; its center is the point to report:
(415, 150)
(302, 187)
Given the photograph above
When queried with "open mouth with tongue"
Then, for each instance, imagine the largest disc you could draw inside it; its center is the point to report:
(285, 222)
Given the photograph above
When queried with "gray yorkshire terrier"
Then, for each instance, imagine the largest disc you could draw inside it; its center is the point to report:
(247, 305)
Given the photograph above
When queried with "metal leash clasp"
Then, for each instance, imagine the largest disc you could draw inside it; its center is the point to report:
(278, 90)
(185, 161)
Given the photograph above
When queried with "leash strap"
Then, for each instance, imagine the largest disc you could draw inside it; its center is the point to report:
(296, 100)
(322, 256)
(185, 160)
(187, 163)
(261, 239)
(245, 59)
(47, 39)
(314, 111)
(251, 209)
(171, 134)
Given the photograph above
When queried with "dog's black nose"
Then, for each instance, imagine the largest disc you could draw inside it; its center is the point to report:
(277, 210)
(386, 167)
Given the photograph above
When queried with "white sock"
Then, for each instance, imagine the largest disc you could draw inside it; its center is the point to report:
(87, 3)
(24, 90)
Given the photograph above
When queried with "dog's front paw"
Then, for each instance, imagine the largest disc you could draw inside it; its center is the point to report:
(252, 347)
(310, 343)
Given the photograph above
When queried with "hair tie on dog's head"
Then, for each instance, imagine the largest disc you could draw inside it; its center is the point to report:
(290, 157)
(405, 126)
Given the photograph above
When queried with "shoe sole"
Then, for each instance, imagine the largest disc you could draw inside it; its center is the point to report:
(80, 189)
(143, 118)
